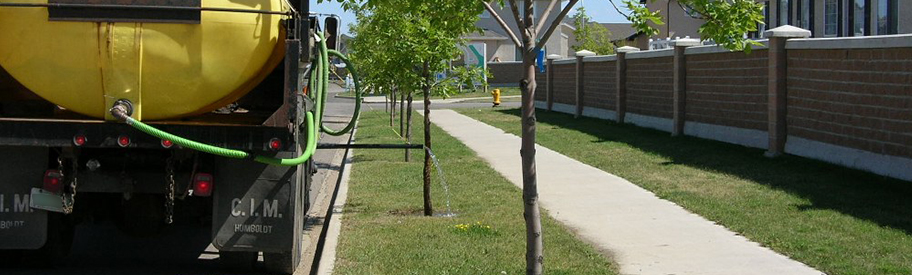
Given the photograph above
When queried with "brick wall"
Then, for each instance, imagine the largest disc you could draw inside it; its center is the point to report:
(847, 101)
(505, 73)
(728, 89)
(649, 86)
(857, 98)
(565, 83)
(601, 85)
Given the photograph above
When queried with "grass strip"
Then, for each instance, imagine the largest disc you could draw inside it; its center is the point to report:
(838, 220)
(383, 231)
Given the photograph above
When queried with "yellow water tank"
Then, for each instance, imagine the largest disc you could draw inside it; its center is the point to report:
(168, 70)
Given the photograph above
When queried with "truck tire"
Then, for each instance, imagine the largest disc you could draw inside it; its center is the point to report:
(237, 261)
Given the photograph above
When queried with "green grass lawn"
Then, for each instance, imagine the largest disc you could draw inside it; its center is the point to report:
(468, 94)
(383, 232)
(502, 100)
(838, 220)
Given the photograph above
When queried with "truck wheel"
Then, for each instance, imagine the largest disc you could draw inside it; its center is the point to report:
(280, 263)
(234, 261)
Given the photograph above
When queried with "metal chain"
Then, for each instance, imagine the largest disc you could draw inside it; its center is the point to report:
(69, 199)
(169, 194)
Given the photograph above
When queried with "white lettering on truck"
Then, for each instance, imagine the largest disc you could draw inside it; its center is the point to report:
(271, 211)
(11, 224)
(235, 212)
(20, 204)
(270, 208)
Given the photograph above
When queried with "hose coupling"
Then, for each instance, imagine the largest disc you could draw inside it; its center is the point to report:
(122, 109)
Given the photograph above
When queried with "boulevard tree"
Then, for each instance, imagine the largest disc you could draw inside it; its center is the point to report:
(726, 22)
(440, 23)
(404, 45)
(591, 36)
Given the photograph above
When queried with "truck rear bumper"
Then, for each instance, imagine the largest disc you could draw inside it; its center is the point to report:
(100, 134)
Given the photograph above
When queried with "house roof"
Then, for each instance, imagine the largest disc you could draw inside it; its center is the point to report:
(487, 35)
(620, 31)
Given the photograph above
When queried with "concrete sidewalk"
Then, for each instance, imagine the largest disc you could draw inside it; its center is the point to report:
(641, 232)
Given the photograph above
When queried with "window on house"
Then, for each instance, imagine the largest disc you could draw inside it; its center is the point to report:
(485, 14)
(887, 11)
(806, 14)
(761, 27)
(859, 13)
(831, 18)
(784, 14)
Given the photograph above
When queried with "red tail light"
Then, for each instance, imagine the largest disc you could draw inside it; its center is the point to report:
(123, 141)
(53, 181)
(202, 185)
(275, 144)
(79, 140)
(167, 143)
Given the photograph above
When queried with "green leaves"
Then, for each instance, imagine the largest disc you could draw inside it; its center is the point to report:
(395, 38)
(726, 21)
(640, 17)
(590, 35)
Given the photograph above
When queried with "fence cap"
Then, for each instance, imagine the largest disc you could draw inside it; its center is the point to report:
(554, 56)
(627, 49)
(788, 31)
(585, 53)
(686, 42)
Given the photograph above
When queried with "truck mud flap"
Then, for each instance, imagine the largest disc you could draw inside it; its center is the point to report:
(254, 206)
(21, 169)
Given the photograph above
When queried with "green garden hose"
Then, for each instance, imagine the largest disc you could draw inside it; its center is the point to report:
(309, 149)
(354, 119)
(318, 84)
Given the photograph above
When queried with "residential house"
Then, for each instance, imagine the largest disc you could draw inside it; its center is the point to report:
(824, 18)
(501, 47)
(838, 18)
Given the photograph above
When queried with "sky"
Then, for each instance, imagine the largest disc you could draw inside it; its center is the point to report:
(600, 10)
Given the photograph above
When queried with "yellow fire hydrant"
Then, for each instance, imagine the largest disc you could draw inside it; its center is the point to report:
(496, 94)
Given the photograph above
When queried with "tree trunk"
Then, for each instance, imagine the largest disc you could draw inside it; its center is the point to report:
(408, 128)
(531, 213)
(392, 106)
(428, 210)
(402, 114)
(385, 102)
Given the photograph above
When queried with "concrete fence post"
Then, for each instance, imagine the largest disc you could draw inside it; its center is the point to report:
(580, 80)
(622, 81)
(778, 88)
(549, 97)
(680, 83)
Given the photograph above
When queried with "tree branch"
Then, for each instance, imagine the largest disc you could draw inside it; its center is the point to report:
(502, 24)
(544, 16)
(519, 22)
(557, 21)
(619, 10)
(688, 13)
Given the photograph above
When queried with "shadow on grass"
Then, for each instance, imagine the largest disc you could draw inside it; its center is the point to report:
(860, 194)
